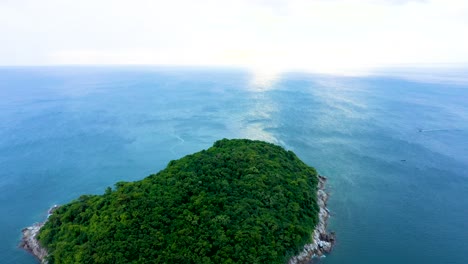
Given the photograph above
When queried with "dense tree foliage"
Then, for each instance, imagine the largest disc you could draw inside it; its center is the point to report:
(240, 201)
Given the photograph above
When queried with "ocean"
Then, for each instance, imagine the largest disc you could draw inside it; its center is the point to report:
(394, 147)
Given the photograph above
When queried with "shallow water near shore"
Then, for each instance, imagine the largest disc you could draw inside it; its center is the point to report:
(394, 150)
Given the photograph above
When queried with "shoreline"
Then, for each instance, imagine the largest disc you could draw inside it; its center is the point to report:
(29, 241)
(322, 241)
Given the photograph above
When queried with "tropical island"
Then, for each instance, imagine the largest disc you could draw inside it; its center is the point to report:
(240, 201)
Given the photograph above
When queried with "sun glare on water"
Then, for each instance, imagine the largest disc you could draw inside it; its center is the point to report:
(263, 79)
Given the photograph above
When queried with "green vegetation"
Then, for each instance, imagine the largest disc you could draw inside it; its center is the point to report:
(240, 201)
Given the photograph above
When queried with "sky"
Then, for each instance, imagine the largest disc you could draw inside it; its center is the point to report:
(320, 35)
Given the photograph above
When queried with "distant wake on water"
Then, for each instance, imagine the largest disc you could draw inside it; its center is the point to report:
(437, 130)
(181, 141)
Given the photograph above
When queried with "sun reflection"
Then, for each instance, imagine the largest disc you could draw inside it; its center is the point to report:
(263, 79)
(259, 118)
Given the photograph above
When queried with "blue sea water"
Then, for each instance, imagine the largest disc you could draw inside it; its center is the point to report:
(395, 150)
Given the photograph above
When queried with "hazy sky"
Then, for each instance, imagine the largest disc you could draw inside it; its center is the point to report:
(321, 35)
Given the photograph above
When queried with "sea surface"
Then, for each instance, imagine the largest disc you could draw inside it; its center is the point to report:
(395, 149)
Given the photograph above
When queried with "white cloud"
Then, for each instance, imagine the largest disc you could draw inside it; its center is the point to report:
(323, 35)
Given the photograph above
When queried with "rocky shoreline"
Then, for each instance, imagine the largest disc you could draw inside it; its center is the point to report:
(29, 241)
(323, 241)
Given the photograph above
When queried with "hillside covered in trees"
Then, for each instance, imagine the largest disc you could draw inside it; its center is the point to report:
(240, 201)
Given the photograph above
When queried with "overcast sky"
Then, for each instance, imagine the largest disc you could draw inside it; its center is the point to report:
(320, 35)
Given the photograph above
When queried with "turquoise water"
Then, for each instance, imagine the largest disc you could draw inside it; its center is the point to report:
(395, 150)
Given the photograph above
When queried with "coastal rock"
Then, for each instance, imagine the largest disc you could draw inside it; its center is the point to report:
(31, 244)
(29, 241)
(322, 241)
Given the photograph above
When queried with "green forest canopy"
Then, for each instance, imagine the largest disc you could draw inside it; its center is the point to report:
(240, 201)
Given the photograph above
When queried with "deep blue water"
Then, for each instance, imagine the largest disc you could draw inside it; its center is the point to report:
(395, 150)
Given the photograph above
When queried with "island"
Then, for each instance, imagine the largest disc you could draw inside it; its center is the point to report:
(240, 201)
